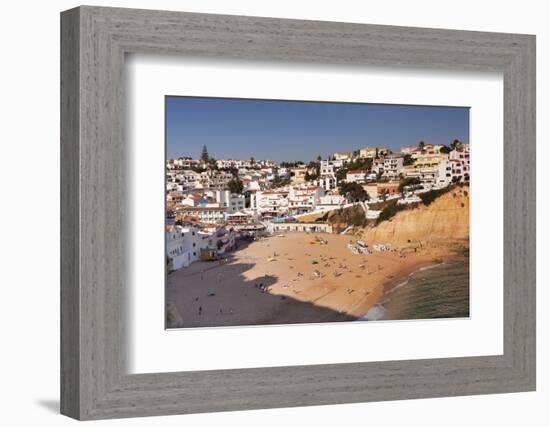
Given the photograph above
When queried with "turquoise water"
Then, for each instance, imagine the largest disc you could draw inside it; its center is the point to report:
(437, 292)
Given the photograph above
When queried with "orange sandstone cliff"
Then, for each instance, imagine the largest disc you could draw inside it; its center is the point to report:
(445, 219)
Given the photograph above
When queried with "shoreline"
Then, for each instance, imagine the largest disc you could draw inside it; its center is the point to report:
(422, 277)
(289, 280)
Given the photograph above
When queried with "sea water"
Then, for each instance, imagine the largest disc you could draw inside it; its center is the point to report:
(436, 292)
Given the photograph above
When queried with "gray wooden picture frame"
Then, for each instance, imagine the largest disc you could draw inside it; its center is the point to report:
(94, 382)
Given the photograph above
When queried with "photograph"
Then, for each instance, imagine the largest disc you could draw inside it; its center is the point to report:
(286, 212)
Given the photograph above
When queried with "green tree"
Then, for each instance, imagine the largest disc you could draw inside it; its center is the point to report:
(360, 164)
(279, 182)
(445, 150)
(353, 192)
(212, 163)
(421, 145)
(408, 181)
(389, 211)
(341, 174)
(408, 160)
(455, 144)
(319, 158)
(235, 186)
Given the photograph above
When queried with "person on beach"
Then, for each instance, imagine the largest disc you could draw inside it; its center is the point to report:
(200, 310)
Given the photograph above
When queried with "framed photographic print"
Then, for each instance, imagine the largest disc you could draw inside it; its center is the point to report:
(262, 213)
(260, 237)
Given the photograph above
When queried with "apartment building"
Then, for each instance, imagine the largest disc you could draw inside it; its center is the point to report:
(345, 156)
(331, 200)
(183, 245)
(359, 176)
(444, 173)
(188, 178)
(460, 162)
(327, 182)
(214, 180)
(408, 149)
(307, 227)
(184, 163)
(390, 166)
(377, 190)
(427, 149)
(304, 199)
(298, 175)
(270, 202)
(329, 167)
(226, 199)
(207, 215)
(194, 200)
(426, 168)
(373, 152)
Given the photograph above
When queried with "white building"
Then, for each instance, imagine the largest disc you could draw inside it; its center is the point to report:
(327, 182)
(343, 155)
(331, 200)
(460, 161)
(283, 173)
(390, 166)
(208, 215)
(173, 186)
(215, 180)
(187, 178)
(307, 227)
(304, 199)
(372, 152)
(359, 176)
(408, 149)
(329, 167)
(226, 199)
(426, 168)
(185, 162)
(252, 186)
(444, 173)
(194, 200)
(183, 245)
(298, 174)
(426, 149)
(270, 202)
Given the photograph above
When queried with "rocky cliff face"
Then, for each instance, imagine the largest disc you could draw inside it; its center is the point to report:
(446, 219)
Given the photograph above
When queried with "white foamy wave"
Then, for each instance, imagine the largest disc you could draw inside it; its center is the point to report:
(428, 267)
(376, 312)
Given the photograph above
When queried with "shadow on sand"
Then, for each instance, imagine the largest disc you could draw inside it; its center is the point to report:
(217, 293)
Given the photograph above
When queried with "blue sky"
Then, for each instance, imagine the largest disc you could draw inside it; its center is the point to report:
(297, 130)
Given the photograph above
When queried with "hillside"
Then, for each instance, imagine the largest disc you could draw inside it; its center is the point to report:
(447, 218)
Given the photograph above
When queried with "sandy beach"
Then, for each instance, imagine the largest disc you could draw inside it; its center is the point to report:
(282, 280)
